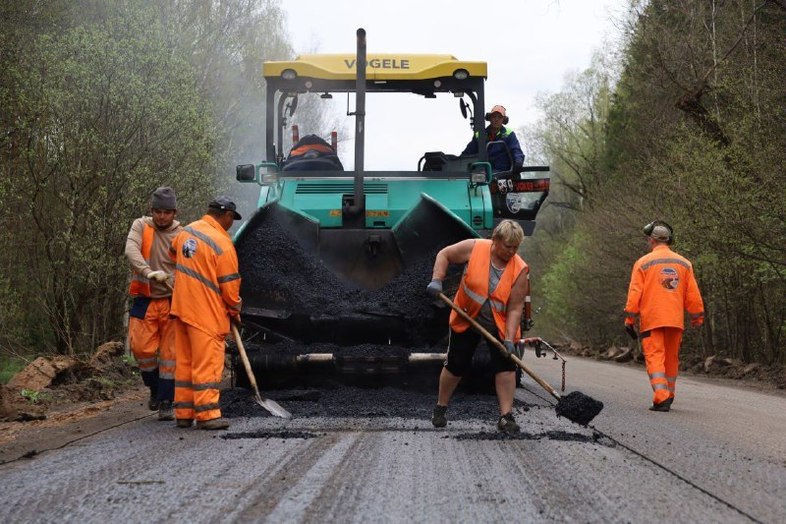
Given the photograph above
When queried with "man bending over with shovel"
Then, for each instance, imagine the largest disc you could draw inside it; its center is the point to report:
(492, 291)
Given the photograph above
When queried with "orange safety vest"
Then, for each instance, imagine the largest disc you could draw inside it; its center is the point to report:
(662, 287)
(474, 289)
(207, 281)
(140, 286)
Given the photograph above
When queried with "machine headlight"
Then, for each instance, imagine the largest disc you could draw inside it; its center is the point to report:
(478, 178)
(288, 74)
(460, 74)
(270, 179)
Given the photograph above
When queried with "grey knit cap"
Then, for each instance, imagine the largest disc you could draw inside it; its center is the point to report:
(163, 198)
(660, 233)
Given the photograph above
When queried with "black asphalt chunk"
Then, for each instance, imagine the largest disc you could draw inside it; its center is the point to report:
(578, 407)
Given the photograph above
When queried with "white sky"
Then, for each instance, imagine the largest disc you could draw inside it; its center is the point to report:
(529, 46)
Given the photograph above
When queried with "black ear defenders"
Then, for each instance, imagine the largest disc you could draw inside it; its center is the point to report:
(504, 118)
(649, 227)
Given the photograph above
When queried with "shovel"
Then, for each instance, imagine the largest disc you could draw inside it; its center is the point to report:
(576, 407)
(272, 406)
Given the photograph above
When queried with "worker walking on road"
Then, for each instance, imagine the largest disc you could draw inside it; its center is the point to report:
(662, 287)
(150, 331)
(206, 297)
(499, 154)
(493, 291)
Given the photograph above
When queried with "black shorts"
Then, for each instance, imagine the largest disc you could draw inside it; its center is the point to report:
(461, 347)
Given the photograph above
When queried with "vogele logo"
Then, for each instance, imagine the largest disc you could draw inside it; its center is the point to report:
(381, 63)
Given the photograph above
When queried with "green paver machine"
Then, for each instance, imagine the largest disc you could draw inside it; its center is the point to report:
(369, 234)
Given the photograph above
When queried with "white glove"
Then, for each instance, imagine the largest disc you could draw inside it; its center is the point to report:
(158, 276)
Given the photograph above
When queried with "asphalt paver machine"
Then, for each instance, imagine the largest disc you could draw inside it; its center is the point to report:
(334, 263)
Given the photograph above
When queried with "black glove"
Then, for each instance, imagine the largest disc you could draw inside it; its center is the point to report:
(527, 324)
(630, 330)
(434, 288)
(514, 349)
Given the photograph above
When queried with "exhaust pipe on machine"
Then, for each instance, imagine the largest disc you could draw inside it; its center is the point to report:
(356, 210)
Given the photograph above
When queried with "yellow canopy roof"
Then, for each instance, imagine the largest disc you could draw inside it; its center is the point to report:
(380, 66)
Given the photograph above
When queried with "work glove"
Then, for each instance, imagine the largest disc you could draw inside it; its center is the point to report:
(158, 276)
(514, 349)
(631, 331)
(434, 288)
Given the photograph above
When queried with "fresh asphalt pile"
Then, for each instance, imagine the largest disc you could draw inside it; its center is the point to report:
(274, 265)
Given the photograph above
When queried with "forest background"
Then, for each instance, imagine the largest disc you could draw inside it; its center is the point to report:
(102, 101)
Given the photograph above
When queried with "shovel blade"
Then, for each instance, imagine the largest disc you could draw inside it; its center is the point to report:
(273, 407)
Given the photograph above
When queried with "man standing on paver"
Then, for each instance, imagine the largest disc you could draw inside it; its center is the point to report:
(662, 287)
(493, 291)
(150, 331)
(206, 297)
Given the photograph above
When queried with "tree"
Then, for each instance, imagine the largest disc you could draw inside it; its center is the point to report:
(103, 114)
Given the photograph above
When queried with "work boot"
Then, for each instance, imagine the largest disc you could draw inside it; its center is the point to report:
(165, 411)
(153, 404)
(185, 422)
(216, 423)
(507, 424)
(662, 406)
(438, 417)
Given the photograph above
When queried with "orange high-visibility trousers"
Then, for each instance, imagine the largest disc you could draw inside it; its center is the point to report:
(200, 363)
(661, 347)
(152, 342)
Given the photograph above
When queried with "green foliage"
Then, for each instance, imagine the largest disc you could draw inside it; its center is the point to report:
(696, 135)
(103, 101)
(9, 366)
(106, 114)
(34, 397)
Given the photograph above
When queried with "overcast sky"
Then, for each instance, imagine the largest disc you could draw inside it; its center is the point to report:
(529, 46)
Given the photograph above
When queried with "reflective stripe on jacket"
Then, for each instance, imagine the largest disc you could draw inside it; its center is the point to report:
(207, 283)
(662, 287)
(474, 288)
(140, 286)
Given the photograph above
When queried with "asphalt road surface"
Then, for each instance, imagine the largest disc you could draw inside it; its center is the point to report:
(373, 456)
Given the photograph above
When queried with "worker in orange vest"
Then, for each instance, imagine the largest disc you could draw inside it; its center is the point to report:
(206, 297)
(662, 287)
(493, 291)
(150, 332)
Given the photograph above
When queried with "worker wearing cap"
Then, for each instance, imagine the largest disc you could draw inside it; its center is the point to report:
(493, 291)
(662, 287)
(206, 297)
(150, 332)
(498, 152)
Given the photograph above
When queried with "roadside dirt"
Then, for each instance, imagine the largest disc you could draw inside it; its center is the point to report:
(57, 400)
(753, 375)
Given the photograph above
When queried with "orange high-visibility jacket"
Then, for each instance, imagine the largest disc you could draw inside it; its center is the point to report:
(474, 288)
(207, 282)
(662, 287)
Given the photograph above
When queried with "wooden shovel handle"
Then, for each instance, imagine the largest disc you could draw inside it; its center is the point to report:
(497, 344)
(244, 357)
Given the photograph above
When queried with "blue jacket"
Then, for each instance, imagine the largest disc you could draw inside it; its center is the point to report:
(498, 155)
